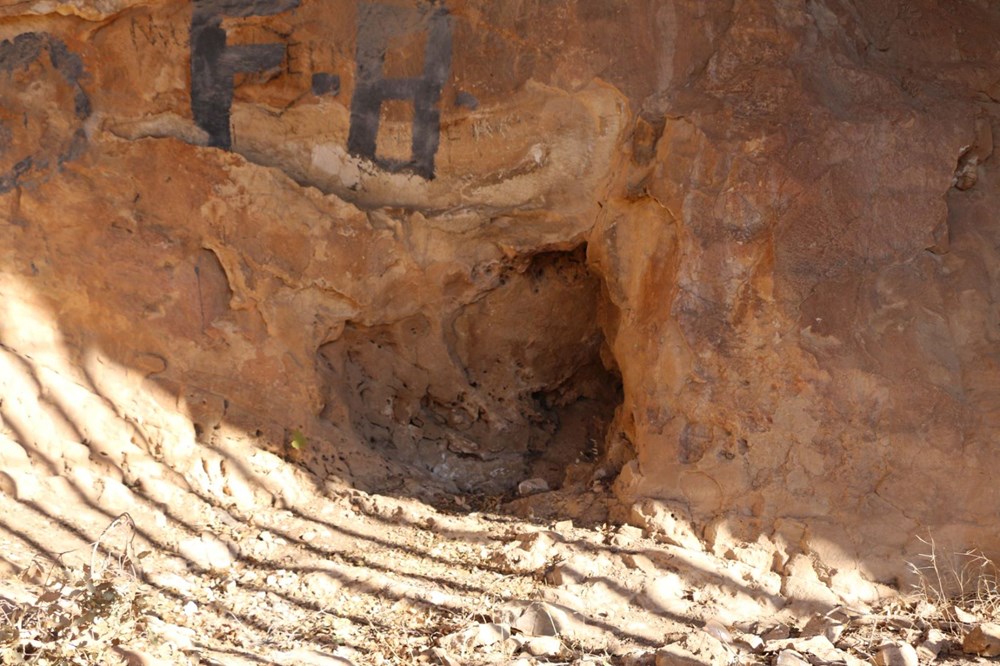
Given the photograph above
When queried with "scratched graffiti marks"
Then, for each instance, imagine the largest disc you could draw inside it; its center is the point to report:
(377, 25)
(42, 110)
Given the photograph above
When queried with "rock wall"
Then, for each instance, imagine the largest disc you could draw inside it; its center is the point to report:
(742, 252)
(803, 305)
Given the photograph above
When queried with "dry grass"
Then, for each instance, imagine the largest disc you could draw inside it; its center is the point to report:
(78, 616)
(90, 613)
(958, 588)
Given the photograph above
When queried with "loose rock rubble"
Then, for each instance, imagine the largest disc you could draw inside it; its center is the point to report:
(348, 577)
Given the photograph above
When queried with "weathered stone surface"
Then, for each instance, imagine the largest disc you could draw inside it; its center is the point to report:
(742, 252)
(984, 640)
(544, 646)
(663, 593)
(935, 643)
(402, 325)
(783, 282)
(896, 654)
(674, 655)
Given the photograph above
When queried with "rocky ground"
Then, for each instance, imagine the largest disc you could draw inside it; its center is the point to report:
(128, 534)
(100, 572)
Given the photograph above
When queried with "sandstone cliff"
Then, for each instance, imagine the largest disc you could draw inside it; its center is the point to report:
(739, 256)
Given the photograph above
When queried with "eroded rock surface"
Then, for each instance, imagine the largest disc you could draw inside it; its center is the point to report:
(740, 255)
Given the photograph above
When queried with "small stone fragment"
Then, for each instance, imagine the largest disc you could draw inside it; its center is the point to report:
(896, 654)
(532, 487)
(818, 647)
(541, 618)
(513, 644)
(718, 630)
(181, 638)
(529, 552)
(626, 536)
(543, 646)
(206, 552)
(537, 621)
(563, 526)
(777, 633)
(662, 593)
(965, 616)
(932, 645)
(441, 657)
(479, 635)
(488, 634)
(925, 610)
(639, 658)
(790, 658)
(823, 625)
(752, 641)
(640, 562)
(675, 655)
(7, 485)
(983, 640)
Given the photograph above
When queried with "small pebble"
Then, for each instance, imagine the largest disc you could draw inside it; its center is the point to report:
(532, 486)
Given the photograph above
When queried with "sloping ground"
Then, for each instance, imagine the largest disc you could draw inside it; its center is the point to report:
(245, 559)
(362, 579)
(367, 579)
(215, 551)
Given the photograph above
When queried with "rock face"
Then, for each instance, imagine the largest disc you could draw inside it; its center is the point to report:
(742, 251)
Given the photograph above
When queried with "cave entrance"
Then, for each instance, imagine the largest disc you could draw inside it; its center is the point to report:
(507, 388)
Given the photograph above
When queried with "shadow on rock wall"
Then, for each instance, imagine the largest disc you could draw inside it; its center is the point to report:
(761, 249)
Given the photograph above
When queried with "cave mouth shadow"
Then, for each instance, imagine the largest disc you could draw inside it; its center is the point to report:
(518, 385)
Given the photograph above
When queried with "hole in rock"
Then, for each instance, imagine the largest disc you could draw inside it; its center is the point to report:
(505, 388)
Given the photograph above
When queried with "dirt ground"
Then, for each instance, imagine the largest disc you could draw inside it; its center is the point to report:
(99, 572)
(128, 536)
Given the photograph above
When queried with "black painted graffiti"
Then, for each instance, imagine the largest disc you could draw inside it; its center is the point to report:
(54, 142)
(377, 24)
(214, 64)
(325, 84)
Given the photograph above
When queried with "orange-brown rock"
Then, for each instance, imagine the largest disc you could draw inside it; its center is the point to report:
(740, 255)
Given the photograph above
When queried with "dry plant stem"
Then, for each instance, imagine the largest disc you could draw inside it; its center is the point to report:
(127, 552)
(975, 589)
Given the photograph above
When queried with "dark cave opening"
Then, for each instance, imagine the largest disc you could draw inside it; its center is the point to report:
(508, 387)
